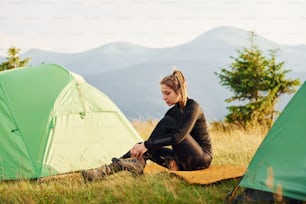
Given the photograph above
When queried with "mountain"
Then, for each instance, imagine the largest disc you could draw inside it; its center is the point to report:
(198, 59)
(109, 57)
(136, 89)
(129, 74)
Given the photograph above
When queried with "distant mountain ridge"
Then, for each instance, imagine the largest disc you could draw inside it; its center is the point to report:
(104, 58)
(129, 74)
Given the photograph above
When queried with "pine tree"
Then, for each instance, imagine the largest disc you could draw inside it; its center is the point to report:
(257, 82)
(13, 60)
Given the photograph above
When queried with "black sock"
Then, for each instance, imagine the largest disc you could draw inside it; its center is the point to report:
(126, 155)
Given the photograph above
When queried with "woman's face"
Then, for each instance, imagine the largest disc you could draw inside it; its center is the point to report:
(169, 95)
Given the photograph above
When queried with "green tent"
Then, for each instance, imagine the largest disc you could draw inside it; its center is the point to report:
(53, 122)
(279, 165)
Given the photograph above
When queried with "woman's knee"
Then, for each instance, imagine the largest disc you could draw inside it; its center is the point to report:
(169, 121)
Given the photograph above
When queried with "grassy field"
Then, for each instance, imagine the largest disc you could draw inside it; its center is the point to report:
(231, 147)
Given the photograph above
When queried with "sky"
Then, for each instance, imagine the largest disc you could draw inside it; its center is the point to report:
(78, 25)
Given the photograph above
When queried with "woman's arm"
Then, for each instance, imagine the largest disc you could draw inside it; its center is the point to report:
(186, 123)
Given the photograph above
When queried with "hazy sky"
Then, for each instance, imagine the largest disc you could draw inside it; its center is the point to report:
(79, 25)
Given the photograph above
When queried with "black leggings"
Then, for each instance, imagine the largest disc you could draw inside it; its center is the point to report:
(188, 154)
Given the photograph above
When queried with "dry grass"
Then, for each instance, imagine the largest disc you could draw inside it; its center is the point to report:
(144, 128)
(236, 146)
(231, 146)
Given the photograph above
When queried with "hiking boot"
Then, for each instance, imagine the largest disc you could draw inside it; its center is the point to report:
(100, 173)
(132, 165)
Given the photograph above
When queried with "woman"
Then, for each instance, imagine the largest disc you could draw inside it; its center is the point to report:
(183, 128)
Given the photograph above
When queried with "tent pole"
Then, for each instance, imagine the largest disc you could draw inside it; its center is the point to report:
(232, 194)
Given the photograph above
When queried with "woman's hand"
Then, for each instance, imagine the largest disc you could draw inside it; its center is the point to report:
(138, 150)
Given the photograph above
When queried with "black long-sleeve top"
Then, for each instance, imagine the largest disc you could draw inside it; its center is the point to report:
(191, 121)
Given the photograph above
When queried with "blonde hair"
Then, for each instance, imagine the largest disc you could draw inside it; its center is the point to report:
(177, 82)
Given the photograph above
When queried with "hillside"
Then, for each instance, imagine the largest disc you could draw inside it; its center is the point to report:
(129, 74)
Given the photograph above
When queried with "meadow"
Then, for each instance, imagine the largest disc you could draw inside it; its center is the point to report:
(232, 146)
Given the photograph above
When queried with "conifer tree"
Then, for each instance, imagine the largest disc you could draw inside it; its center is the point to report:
(257, 82)
(13, 60)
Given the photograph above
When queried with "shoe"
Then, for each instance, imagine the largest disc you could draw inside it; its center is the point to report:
(135, 166)
(132, 165)
(100, 173)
